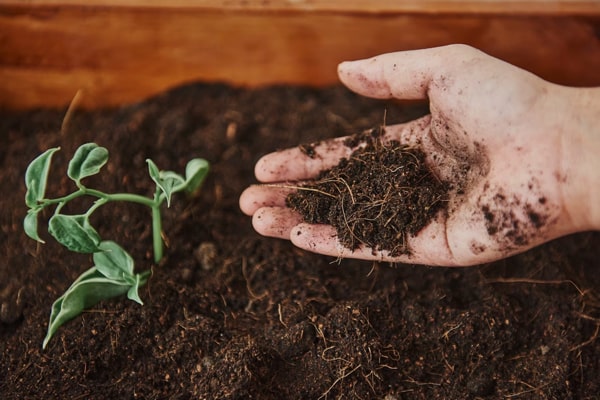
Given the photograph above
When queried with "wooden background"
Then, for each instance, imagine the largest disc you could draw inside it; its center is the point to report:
(116, 52)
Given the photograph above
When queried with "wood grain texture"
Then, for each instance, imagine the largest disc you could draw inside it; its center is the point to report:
(118, 55)
(538, 7)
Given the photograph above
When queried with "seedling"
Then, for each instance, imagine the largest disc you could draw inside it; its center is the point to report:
(113, 271)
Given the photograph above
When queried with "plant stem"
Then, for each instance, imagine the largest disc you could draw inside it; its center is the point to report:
(133, 198)
(104, 198)
(157, 241)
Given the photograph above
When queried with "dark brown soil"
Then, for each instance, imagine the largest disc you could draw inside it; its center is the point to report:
(376, 197)
(232, 315)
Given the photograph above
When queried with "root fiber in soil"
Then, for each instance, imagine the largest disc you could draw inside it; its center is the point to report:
(377, 197)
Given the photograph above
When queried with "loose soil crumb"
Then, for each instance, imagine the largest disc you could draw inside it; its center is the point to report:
(377, 197)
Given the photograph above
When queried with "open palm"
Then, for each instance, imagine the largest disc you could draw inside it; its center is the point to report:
(493, 132)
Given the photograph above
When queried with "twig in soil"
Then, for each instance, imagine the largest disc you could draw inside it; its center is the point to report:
(339, 379)
(282, 186)
(446, 335)
(417, 383)
(70, 111)
(347, 362)
(351, 230)
(247, 278)
(588, 317)
(281, 316)
(536, 282)
(533, 389)
(590, 340)
(343, 181)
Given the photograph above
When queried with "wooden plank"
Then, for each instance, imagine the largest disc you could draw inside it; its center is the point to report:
(537, 7)
(121, 55)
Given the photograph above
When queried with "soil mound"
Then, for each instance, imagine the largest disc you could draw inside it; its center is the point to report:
(377, 197)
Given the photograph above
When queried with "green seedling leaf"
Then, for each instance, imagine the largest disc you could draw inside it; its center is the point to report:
(88, 290)
(30, 224)
(195, 173)
(168, 182)
(36, 177)
(87, 160)
(113, 261)
(138, 281)
(153, 170)
(74, 232)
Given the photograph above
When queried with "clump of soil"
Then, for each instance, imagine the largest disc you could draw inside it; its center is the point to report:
(379, 195)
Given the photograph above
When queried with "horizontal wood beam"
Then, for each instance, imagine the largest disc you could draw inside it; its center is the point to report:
(117, 55)
(537, 7)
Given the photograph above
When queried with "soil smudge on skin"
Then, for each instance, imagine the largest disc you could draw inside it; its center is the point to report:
(377, 197)
(513, 221)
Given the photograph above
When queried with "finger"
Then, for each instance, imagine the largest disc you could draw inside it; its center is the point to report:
(295, 164)
(428, 248)
(403, 75)
(298, 164)
(257, 196)
(275, 222)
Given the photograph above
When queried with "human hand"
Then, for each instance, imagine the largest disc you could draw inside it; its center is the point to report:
(495, 131)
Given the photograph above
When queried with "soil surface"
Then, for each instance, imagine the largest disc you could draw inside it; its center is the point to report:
(377, 197)
(232, 315)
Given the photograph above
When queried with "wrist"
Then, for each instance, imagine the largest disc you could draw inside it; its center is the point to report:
(581, 158)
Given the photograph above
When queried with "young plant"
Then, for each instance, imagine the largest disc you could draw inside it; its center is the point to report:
(113, 271)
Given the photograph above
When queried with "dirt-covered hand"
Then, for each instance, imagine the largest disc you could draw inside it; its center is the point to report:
(508, 143)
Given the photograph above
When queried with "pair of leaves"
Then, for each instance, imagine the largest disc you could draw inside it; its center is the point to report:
(112, 275)
(169, 182)
(87, 161)
(75, 232)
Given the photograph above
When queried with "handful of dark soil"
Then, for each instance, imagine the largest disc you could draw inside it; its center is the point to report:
(377, 197)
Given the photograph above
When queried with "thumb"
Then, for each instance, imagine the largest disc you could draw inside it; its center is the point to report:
(405, 75)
